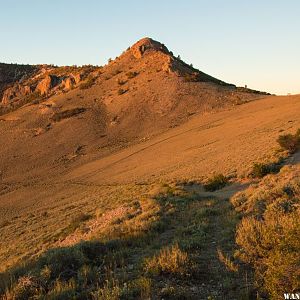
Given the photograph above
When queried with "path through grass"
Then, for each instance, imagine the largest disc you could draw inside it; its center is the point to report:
(171, 245)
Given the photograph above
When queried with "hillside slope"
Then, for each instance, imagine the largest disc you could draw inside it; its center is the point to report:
(227, 142)
(80, 114)
(105, 166)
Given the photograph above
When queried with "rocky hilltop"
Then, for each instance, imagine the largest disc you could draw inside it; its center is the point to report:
(62, 112)
(22, 84)
(25, 84)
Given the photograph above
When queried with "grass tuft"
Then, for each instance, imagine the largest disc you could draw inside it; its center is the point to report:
(216, 182)
(170, 260)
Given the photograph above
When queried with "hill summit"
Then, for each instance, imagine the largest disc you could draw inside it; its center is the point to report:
(170, 63)
(20, 84)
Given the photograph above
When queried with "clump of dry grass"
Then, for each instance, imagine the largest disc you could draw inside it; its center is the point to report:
(170, 260)
(268, 235)
(26, 287)
(216, 182)
(225, 259)
(260, 170)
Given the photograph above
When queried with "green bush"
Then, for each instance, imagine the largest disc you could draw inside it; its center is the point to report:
(139, 288)
(61, 272)
(215, 183)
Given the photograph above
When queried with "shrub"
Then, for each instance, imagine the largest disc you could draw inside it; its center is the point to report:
(176, 292)
(25, 288)
(215, 183)
(121, 91)
(131, 74)
(194, 77)
(66, 272)
(259, 170)
(32, 97)
(268, 235)
(63, 262)
(121, 82)
(271, 246)
(107, 293)
(139, 288)
(68, 113)
(88, 83)
(77, 220)
(116, 72)
(170, 260)
(290, 142)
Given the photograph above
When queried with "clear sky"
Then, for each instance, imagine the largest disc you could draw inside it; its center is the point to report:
(243, 42)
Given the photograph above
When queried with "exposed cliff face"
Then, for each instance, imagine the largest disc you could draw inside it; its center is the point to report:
(47, 84)
(18, 86)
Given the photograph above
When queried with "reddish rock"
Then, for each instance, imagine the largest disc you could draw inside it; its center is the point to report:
(145, 45)
(48, 83)
(16, 91)
(77, 77)
(68, 83)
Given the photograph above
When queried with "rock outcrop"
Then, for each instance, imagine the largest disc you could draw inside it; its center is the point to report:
(16, 91)
(68, 83)
(13, 73)
(46, 84)
(19, 81)
(146, 45)
(71, 81)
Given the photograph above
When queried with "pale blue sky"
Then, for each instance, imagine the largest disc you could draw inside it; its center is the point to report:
(243, 42)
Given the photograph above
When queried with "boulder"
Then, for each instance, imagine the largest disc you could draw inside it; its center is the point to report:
(68, 83)
(77, 77)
